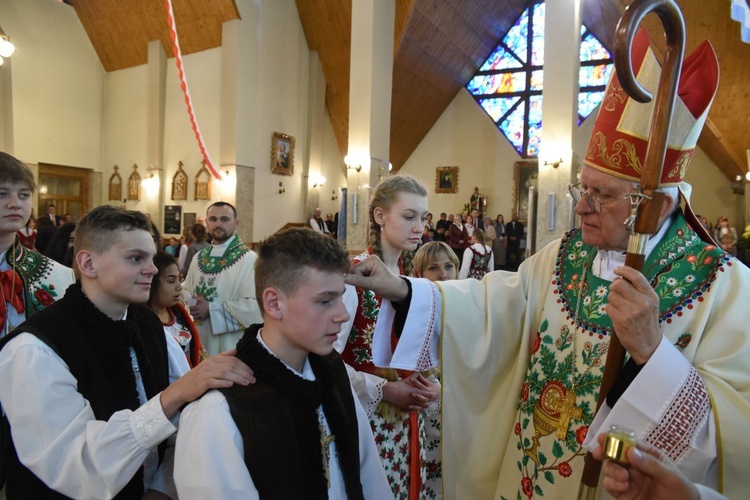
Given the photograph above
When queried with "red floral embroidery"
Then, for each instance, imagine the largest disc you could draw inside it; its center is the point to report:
(517, 429)
(528, 487)
(581, 434)
(537, 343)
(525, 391)
(708, 260)
(43, 297)
(692, 259)
(564, 469)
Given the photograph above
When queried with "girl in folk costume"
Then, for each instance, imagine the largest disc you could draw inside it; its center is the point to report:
(435, 261)
(183, 340)
(400, 404)
(478, 258)
(27, 234)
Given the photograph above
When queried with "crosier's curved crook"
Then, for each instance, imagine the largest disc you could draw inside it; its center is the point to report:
(674, 29)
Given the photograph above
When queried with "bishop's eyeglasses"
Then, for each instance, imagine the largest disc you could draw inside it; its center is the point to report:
(595, 202)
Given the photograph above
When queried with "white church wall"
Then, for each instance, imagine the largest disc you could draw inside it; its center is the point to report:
(57, 84)
(464, 136)
(279, 96)
(124, 130)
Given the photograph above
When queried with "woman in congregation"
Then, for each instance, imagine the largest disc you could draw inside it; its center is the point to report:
(458, 238)
(436, 262)
(500, 243)
(470, 226)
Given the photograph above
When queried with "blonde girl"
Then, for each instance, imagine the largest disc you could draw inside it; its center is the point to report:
(400, 404)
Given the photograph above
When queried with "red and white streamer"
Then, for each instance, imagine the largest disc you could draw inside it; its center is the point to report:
(183, 84)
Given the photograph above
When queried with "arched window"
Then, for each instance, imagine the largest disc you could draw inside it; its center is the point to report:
(508, 86)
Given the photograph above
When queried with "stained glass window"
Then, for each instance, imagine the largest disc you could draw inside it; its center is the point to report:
(509, 84)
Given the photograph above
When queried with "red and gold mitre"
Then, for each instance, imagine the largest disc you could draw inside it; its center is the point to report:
(620, 136)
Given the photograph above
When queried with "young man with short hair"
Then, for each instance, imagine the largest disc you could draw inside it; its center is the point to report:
(84, 382)
(299, 432)
(29, 281)
(221, 278)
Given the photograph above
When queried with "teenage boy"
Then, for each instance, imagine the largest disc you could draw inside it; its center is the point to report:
(84, 382)
(299, 432)
(29, 281)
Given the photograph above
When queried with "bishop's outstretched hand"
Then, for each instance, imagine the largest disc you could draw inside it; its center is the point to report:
(373, 274)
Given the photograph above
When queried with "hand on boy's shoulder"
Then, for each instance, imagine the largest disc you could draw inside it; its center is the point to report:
(222, 370)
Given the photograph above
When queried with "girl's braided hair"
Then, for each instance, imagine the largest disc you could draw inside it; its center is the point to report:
(384, 195)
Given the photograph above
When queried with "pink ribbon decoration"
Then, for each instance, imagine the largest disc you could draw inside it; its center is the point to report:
(184, 86)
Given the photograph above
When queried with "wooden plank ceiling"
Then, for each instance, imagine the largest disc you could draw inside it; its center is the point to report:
(121, 29)
(438, 46)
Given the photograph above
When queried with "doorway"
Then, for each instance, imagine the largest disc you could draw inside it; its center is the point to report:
(65, 187)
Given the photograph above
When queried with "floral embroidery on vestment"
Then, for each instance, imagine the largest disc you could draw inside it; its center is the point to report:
(558, 397)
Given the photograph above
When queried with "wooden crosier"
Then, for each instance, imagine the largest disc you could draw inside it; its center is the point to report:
(646, 203)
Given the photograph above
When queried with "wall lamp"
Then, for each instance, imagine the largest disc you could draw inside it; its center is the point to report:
(281, 188)
(6, 47)
(334, 196)
(554, 163)
(355, 161)
(318, 181)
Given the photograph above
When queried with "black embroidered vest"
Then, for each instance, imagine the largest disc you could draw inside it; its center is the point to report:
(93, 347)
(281, 443)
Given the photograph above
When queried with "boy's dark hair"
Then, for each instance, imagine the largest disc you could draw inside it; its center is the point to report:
(283, 257)
(14, 171)
(162, 260)
(94, 231)
(200, 233)
(222, 204)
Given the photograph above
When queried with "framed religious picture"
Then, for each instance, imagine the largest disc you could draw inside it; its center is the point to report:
(203, 183)
(134, 185)
(446, 180)
(188, 219)
(179, 183)
(282, 154)
(115, 185)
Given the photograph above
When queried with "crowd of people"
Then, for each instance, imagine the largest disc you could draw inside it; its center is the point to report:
(479, 242)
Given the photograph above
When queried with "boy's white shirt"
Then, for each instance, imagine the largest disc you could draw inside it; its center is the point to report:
(211, 459)
(56, 430)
